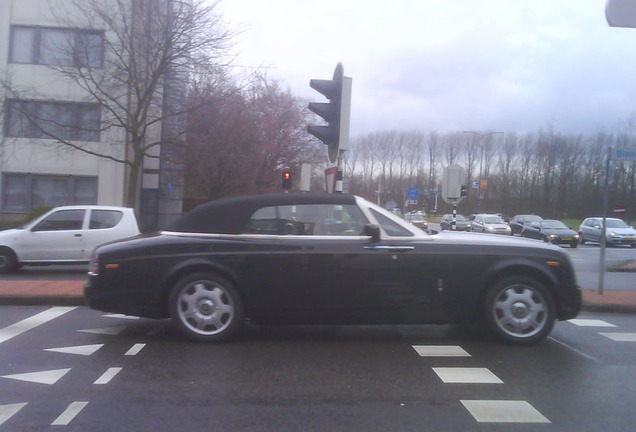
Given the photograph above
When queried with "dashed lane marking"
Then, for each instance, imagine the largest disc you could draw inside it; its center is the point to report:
(32, 322)
(440, 351)
(70, 413)
(620, 337)
(108, 375)
(503, 411)
(466, 375)
(8, 411)
(590, 323)
(134, 350)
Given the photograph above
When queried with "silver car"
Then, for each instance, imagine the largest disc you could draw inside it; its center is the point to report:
(617, 231)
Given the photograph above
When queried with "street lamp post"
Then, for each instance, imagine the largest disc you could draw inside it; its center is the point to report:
(481, 136)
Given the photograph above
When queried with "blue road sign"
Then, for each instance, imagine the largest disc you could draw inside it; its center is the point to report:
(412, 193)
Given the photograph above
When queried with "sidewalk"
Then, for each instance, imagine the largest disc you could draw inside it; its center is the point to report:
(70, 293)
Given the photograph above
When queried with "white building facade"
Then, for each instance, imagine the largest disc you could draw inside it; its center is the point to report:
(41, 38)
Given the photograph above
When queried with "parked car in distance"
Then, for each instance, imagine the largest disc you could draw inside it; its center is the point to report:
(550, 230)
(461, 223)
(490, 224)
(617, 231)
(65, 235)
(517, 222)
(417, 218)
(306, 258)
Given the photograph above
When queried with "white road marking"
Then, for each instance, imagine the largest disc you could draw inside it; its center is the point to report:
(122, 316)
(43, 377)
(32, 322)
(108, 375)
(135, 349)
(440, 351)
(501, 411)
(466, 375)
(590, 323)
(70, 413)
(579, 352)
(620, 337)
(113, 331)
(8, 411)
(84, 350)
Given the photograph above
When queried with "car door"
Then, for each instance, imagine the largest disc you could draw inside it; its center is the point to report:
(103, 226)
(593, 230)
(57, 237)
(326, 269)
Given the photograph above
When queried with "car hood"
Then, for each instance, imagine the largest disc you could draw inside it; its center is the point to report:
(624, 231)
(9, 235)
(490, 240)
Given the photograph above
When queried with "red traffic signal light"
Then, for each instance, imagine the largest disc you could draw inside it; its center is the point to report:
(287, 180)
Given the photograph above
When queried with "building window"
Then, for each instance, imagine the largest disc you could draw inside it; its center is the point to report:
(66, 121)
(24, 192)
(57, 46)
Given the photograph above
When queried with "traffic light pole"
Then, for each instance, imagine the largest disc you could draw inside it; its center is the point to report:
(339, 173)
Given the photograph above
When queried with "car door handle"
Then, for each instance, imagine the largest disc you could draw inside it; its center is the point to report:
(78, 235)
(391, 248)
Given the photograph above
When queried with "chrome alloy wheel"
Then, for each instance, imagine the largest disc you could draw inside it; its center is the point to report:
(520, 311)
(205, 308)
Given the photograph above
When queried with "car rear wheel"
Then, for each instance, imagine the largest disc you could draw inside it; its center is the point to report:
(8, 260)
(581, 238)
(206, 308)
(519, 310)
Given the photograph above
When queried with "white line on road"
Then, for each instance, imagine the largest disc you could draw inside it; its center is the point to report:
(108, 375)
(70, 413)
(8, 411)
(32, 322)
(135, 349)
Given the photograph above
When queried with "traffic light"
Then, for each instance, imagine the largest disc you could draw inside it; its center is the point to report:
(463, 191)
(336, 112)
(287, 180)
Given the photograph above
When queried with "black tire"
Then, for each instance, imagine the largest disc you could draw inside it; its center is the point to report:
(8, 260)
(206, 308)
(574, 244)
(581, 238)
(519, 310)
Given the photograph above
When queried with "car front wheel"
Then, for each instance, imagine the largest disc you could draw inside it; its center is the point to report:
(519, 310)
(206, 308)
(8, 260)
(581, 238)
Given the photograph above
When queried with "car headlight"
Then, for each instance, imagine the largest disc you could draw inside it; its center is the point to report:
(490, 228)
(553, 236)
(576, 237)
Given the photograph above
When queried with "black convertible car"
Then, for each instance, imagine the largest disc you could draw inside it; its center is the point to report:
(329, 259)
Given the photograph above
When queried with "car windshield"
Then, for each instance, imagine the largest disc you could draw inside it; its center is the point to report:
(493, 220)
(554, 225)
(616, 223)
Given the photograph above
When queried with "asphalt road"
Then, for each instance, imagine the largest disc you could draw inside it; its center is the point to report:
(78, 369)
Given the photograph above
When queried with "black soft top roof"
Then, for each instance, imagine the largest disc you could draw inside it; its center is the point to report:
(229, 216)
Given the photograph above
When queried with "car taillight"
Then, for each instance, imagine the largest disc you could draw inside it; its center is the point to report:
(93, 266)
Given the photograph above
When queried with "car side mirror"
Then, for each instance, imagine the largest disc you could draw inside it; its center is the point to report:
(372, 231)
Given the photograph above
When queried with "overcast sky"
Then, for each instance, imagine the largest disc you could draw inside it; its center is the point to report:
(449, 65)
